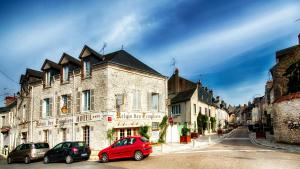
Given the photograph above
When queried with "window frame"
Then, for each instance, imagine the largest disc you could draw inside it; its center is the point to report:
(65, 73)
(176, 110)
(46, 107)
(86, 100)
(153, 101)
(87, 68)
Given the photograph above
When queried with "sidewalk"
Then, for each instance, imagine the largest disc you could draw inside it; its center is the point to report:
(270, 143)
(199, 143)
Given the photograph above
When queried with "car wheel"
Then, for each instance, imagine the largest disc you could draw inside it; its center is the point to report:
(46, 160)
(138, 155)
(27, 160)
(69, 159)
(9, 160)
(104, 158)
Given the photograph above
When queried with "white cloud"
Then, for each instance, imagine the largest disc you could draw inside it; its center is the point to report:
(207, 49)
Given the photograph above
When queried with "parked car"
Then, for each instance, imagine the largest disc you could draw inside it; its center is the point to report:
(130, 147)
(28, 152)
(68, 152)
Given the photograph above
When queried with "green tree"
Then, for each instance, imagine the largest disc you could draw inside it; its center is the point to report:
(144, 131)
(185, 130)
(110, 135)
(163, 129)
(204, 120)
(200, 123)
(213, 123)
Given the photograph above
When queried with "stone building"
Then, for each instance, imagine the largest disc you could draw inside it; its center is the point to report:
(286, 79)
(188, 100)
(8, 127)
(83, 99)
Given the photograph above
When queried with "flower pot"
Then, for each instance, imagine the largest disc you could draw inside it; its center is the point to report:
(194, 135)
(185, 139)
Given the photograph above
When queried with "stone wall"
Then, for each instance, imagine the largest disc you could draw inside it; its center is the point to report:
(287, 121)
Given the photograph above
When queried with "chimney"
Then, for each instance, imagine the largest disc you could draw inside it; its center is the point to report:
(299, 39)
(9, 99)
(199, 84)
(176, 84)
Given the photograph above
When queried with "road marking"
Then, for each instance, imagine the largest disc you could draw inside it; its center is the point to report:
(223, 150)
(237, 138)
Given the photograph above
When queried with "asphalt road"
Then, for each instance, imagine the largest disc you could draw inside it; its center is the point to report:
(235, 152)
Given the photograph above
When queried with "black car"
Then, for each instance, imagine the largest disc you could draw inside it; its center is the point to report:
(68, 152)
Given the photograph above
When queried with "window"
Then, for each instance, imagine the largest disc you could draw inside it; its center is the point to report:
(64, 99)
(195, 111)
(46, 107)
(205, 111)
(209, 112)
(122, 133)
(136, 99)
(131, 141)
(65, 73)
(86, 134)
(86, 100)
(155, 126)
(128, 132)
(87, 68)
(46, 136)
(58, 146)
(119, 101)
(200, 110)
(24, 112)
(154, 101)
(48, 78)
(176, 109)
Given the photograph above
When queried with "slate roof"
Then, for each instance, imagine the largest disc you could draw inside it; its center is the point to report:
(34, 73)
(123, 58)
(52, 64)
(183, 96)
(7, 108)
(69, 58)
(91, 50)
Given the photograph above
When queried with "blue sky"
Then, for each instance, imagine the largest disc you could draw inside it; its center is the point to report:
(229, 45)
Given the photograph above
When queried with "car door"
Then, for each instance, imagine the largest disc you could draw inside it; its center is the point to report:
(20, 152)
(130, 147)
(15, 153)
(54, 152)
(117, 150)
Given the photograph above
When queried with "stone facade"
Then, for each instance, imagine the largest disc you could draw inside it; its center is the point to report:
(286, 95)
(287, 121)
(83, 108)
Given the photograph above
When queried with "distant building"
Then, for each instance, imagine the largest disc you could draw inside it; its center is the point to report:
(188, 100)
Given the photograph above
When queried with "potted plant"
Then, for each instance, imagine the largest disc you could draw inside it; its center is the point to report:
(194, 134)
(185, 137)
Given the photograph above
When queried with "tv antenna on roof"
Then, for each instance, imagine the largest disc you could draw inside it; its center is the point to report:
(173, 63)
(103, 47)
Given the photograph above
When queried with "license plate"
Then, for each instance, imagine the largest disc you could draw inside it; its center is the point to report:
(83, 155)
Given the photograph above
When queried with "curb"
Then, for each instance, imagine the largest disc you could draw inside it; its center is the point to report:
(254, 141)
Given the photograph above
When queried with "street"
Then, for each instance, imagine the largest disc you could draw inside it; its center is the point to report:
(236, 151)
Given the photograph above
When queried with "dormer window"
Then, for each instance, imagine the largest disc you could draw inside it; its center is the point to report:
(47, 78)
(86, 68)
(65, 73)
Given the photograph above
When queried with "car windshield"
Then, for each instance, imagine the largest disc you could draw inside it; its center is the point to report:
(41, 145)
(144, 139)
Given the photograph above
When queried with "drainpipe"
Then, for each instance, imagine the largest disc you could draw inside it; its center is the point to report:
(73, 109)
(31, 116)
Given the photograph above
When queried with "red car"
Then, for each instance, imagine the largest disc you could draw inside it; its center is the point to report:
(134, 146)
